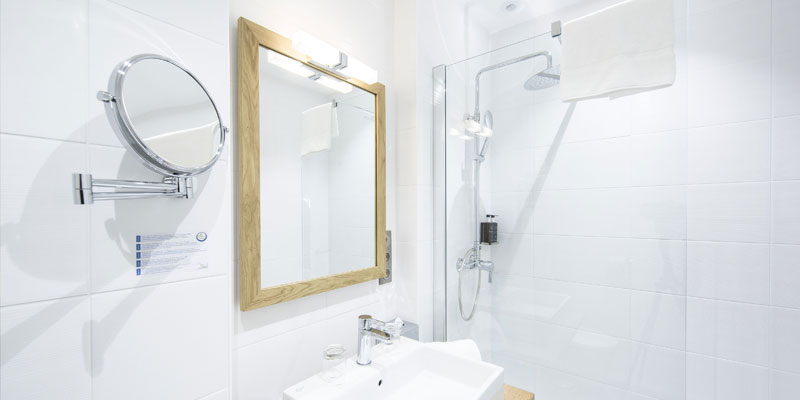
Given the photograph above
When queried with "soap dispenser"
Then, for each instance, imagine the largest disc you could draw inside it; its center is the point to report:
(489, 230)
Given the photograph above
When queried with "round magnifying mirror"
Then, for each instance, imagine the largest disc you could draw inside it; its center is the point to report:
(164, 115)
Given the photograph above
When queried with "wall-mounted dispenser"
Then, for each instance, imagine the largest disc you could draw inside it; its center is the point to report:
(163, 114)
(489, 230)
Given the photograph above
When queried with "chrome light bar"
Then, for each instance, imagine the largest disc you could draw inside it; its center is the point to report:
(84, 188)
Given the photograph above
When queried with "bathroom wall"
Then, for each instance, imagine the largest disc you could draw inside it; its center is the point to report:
(276, 346)
(649, 244)
(76, 321)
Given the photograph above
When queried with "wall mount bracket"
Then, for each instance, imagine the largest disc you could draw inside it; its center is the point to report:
(84, 188)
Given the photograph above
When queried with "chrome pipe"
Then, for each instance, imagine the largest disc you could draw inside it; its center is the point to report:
(111, 183)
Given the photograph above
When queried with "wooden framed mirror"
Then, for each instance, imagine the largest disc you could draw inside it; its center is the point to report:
(312, 173)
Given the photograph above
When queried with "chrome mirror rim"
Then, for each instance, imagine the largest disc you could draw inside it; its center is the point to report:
(120, 121)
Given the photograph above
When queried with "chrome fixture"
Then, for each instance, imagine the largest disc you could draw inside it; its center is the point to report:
(84, 188)
(163, 115)
(370, 330)
(331, 59)
(555, 30)
(548, 77)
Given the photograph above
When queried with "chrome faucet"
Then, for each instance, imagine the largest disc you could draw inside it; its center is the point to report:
(370, 330)
(473, 261)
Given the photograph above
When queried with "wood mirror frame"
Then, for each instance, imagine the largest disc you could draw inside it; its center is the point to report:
(251, 36)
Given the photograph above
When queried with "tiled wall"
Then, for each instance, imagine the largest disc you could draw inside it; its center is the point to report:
(76, 321)
(650, 244)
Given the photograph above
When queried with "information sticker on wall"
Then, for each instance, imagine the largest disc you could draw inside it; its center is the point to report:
(165, 253)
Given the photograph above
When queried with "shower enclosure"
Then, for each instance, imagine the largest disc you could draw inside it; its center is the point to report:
(587, 296)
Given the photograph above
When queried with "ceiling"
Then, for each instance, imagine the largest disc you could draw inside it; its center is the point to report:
(496, 15)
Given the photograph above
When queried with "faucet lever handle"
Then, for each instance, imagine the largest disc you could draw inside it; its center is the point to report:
(394, 328)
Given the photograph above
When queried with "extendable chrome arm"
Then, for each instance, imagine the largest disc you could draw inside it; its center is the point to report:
(84, 186)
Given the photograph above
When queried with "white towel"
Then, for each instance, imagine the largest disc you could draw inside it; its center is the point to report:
(618, 51)
(189, 147)
(316, 129)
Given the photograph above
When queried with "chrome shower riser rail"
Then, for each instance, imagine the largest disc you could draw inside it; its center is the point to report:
(84, 188)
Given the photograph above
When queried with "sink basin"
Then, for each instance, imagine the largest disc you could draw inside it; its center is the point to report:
(410, 370)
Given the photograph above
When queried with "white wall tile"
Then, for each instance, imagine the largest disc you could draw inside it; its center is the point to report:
(592, 308)
(658, 212)
(513, 254)
(784, 386)
(513, 210)
(117, 33)
(658, 265)
(734, 331)
(786, 212)
(785, 346)
(785, 275)
(659, 158)
(730, 153)
(658, 319)
(44, 352)
(28, 70)
(663, 109)
(261, 324)
(598, 119)
(115, 224)
(729, 271)
(407, 169)
(205, 18)
(715, 379)
(514, 172)
(722, 95)
(716, 37)
(786, 148)
(133, 329)
(592, 212)
(298, 353)
(582, 165)
(658, 372)
(731, 212)
(595, 260)
(785, 57)
(45, 236)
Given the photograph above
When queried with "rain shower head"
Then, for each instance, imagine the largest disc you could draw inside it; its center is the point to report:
(547, 78)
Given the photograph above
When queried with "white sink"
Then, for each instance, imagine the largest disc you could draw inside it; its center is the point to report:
(410, 370)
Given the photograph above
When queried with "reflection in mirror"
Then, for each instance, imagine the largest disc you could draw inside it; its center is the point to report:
(171, 113)
(317, 171)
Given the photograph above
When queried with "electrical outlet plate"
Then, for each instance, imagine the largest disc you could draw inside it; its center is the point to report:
(388, 277)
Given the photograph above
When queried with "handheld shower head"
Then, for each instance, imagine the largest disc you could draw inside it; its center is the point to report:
(486, 131)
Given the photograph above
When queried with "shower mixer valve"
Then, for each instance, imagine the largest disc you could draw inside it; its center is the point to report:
(473, 261)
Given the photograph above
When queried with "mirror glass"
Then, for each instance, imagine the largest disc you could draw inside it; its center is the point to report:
(317, 166)
(171, 114)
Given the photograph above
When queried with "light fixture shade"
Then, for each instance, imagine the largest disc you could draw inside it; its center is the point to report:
(339, 86)
(318, 50)
(357, 69)
(288, 64)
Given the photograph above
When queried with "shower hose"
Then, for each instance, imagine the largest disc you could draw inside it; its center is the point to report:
(460, 268)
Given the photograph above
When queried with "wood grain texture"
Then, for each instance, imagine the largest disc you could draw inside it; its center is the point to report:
(513, 393)
(251, 295)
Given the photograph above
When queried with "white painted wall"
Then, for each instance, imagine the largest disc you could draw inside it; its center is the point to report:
(76, 321)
